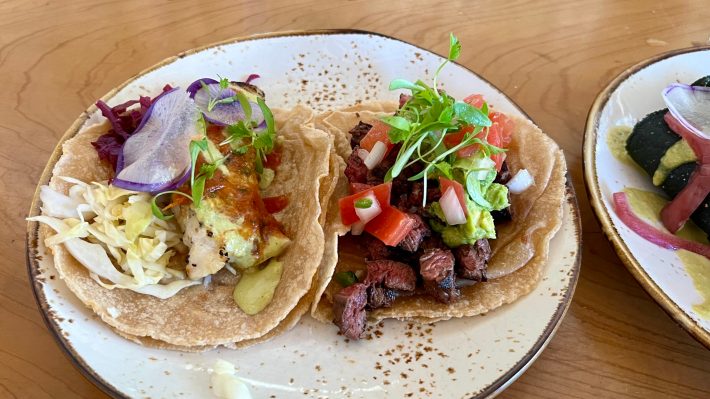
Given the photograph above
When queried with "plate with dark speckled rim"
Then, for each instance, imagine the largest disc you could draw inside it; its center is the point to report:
(462, 358)
(626, 100)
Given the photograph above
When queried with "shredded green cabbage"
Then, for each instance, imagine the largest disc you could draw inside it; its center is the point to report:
(113, 233)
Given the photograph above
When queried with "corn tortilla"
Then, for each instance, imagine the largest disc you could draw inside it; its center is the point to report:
(199, 317)
(518, 254)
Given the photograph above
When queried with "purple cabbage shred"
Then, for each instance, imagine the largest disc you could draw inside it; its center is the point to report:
(124, 123)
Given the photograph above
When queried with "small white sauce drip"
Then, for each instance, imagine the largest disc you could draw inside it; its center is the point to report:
(225, 383)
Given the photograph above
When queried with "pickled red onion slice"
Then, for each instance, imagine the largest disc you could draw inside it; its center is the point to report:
(156, 157)
(221, 114)
(690, 105)
(662, 239)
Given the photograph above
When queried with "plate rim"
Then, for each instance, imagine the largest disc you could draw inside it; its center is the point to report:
(602, 214)
(31, 240)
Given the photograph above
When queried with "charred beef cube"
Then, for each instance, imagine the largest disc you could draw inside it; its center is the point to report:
(349, 308)
(380, 297)
(358, 132)
(386, 279)
(471, 260)
(391, 274)
(503, 215)
(433, 194)
(376, 249)
(411, 199)
(504, 175)
(403, 98)
(432, 242)
(356, 171)
(377, 175)
(411, 241)
(436, 267)
(357, 187)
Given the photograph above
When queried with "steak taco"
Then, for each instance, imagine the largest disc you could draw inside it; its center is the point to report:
(193, 219)
(450, 207)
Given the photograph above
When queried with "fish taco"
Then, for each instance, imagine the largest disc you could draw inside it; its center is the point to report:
(193, 219)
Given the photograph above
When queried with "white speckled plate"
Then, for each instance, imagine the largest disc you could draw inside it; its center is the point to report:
(472, 357)
(627, 99)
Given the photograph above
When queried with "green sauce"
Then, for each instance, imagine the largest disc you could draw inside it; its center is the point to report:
(616, 141)
(648, 205)
(698, 268)
(679, 154)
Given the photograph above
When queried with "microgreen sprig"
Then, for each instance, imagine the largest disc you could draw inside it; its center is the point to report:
(423, 122)
(243, 134)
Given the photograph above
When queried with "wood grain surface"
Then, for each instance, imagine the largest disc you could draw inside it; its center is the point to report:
(551, 57)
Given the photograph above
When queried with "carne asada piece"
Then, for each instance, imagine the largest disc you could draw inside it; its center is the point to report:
(391, 274)
(436, 267)
(380, 297)
(411, 199)
(376, 176)
(349, 308)
(471, 260)
(356, 171)
(376, 249)
(358, 132)
(503, 177)
(415, 237)
(403, 98)
(386, 279)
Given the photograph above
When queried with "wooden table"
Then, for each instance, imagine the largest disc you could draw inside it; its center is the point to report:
(552, 58)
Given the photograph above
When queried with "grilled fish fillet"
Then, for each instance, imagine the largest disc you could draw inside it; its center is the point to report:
(231, 225)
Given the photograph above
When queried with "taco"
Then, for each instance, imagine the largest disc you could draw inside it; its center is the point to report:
(219, 250)
(450, 208)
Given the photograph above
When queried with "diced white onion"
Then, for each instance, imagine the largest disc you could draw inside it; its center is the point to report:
(362, 153)
(367, 214)
(484, 163)
(451, 207)
(376, 155)
(357, 228)
(520, 182)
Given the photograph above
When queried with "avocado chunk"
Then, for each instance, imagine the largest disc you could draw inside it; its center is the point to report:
(255, 290)
(479, 224)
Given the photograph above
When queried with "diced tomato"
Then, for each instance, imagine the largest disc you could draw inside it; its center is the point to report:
(275, 204)
(357, 187)
(273, 159)
(506, 127)
(453, 139)
(500, 134)
(378, 132)
(347, 204)
(474, 100)
(390, 226)
(444, 185)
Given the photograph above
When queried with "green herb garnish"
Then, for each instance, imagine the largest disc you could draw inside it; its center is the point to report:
(363, 203)
(242, 135)
(345, 279)
(157, 211)
(426, 119)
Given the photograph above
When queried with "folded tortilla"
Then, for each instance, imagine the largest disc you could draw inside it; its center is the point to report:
(518, 254)
(198, 317)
